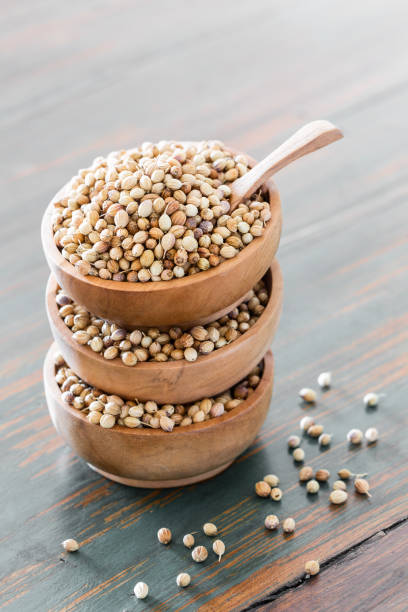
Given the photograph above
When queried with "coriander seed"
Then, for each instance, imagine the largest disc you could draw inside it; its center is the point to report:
(218, 548)
(308, 395)
(298, 454)
(183, 580)
(325, 439)
(339, 484)
(276, 494)
(289, 525)
(305, 473)
(70, 545)
(188, 540)
(312, 568)
(315, 431)
(293, 441)
(312, 486)
(262, 489)
(355, 436)
(344, 473)
(322, 475)
(272, 480)
(324, 380)
(338, 497)
(210, 529)
(362, 486)
(200, 553)
(306, 422)
(271, 522)
(141, 590)
(371, 399)
(164, 535)
(371, 435)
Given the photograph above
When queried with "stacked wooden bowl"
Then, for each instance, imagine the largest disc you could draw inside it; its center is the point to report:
(151, 457)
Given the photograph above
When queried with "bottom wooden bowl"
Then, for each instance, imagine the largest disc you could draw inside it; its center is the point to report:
(153, 458)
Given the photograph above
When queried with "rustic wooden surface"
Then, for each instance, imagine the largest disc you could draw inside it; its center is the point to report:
(84, 78)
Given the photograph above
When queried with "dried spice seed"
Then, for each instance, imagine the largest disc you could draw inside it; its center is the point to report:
(322, 475)
(298, 454)
(362, 486)
(70, 545)
(271, 522)
(200, 554)
(371, 435)
(324, 380)
(262, 489)
(312, 568)
(164, 535)
(339, 484)
(308, 395)
(276, 494)
(355, 436)
(289, 525)
(306, 422)
(325, 439)
(210, 529)
(306, 473)
(141, 590)
(371, 399)
(218, 548)
(315, 431)
(293, 441)
(338, 497)
(183, 580)
(272, 480)
(312, 486)
(188, 540)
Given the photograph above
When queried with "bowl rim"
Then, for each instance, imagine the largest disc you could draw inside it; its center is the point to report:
(274, 301)
(235, 413)
(52, 251)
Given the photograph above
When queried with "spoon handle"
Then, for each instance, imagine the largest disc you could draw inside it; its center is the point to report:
(309, 138)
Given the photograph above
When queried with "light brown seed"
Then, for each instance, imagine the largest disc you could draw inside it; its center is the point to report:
(362, 486)
(164, 535)
(271, 522)
(312, 568)
(199, 554)
(289, 525)
(338, 496)
(322, 475)
(305, 473)
(262, 489)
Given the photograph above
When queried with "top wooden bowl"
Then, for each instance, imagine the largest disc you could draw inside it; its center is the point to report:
(180, 302)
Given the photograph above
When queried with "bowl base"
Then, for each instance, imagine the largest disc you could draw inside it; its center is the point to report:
(161, 484)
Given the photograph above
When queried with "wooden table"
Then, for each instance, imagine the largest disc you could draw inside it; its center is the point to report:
(79, 79)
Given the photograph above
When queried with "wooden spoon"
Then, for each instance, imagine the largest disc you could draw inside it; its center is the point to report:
(309, 138)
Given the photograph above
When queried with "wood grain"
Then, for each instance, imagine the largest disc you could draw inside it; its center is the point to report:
(83, 79)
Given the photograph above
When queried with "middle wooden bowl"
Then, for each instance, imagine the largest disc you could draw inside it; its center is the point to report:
(174, 382)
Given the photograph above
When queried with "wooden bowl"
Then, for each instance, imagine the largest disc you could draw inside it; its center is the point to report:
(181, 302)
(175, 382)
(153, 458)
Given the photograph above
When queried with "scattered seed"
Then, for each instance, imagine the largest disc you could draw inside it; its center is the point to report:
(305, 473)
(338, 496)
(219, 548)
(312, 568)
(276, 494)
(262, 489)
(312, 486)
(362, 486)
(210, 529)
(324, 380)
(339, 484)
(371, 399)
(293, 441)
(199, 554)
(289, 525)
(272, 480)
(164, 535)
(308, 395)
(70, 545)
(344, 473)
(271, 522)
(141, 590)
(188, 540)
(325, 439)
(298, 454)
(183, 579)
(306, 422)
(315, 430)
(322, 475)
(355, 436)
(371, 435)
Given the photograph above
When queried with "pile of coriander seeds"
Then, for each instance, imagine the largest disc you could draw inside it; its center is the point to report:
(156, 212)
(110, 410)
(132, 347)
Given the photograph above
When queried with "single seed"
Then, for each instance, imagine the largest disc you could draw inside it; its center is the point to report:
(325, 439)
(371, 435)
(322, 475)
(210, 529)
(188, 540)
(315, 431)
(141, 590)
(298, 454)
(312, 486)
(355, 436)
(70, 545)
(271, 522)
(312, 568)
(262, 489)
(306, 422)
(362, 486)
(339, 484)
(289, 525)
(164, 535)
(219, 548)
(199, 554)
(324, 380)
(276, 494)
(308, 395)
(293, 441)
(183, 580)
(272, 480)
(338, 496)
(344, 473)
(371, 399)
(306, 473)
